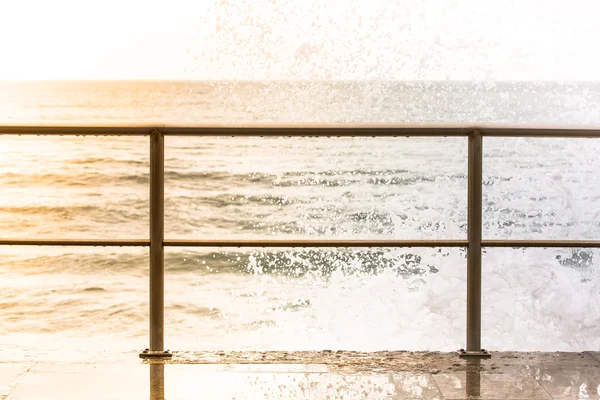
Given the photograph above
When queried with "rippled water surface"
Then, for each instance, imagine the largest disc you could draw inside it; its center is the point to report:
(351, 188)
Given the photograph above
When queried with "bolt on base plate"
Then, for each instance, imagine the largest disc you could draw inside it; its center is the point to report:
(483, 353)
(155, 354)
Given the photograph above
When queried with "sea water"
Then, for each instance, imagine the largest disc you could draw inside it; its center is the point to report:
(90, 299)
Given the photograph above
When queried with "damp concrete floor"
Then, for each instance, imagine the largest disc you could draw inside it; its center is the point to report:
(304, 375)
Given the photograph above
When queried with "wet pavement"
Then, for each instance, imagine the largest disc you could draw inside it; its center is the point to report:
(304, 375)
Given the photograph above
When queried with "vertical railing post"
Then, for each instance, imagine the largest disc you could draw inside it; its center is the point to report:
(157, 381)
(474, 233)
(157, 248)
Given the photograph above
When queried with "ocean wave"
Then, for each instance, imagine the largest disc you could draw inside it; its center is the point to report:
(308, 181)
(349, 172)
(93, 261)
(209, 177)
(297, 263)
(72, 180)
(108, 161)
(287, 262)
(123, 212)
(233, 200)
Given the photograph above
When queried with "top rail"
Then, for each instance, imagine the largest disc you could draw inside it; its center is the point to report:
(73, 130)
(309, 130)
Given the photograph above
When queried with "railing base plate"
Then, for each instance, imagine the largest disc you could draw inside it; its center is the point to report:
(462, 353)
(155, 354)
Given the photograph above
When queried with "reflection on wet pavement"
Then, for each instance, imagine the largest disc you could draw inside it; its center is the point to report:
(387, 375)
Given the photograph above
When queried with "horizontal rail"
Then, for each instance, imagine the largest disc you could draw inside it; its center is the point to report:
(315, 243)
(300, 243)
(320, 131)
(309, 130)
(538, 132)
(541, 243)
(76, 242)
(303, 130)
(69, 130)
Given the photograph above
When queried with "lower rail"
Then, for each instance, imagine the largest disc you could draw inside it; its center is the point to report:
(510, 243)
(75, 242)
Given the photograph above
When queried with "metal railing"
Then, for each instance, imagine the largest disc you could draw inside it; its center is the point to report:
(157, 241)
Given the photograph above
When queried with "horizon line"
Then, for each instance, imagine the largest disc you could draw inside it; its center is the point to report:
(415, 81)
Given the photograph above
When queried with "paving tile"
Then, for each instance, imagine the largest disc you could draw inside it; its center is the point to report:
(554, 358)
(506, 376)
(9, 376)
(50, 381)
(415, 386)
(273, 368)
(489, 386)
(567, 382)
(594, 354)
(181, 382)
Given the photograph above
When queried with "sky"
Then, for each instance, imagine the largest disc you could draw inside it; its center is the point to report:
(528, 40)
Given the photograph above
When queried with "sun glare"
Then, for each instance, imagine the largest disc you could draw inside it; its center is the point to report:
(266, 40)
(71, 40)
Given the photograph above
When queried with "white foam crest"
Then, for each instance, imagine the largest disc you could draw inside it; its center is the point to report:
(354, 311)
(532, 302)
